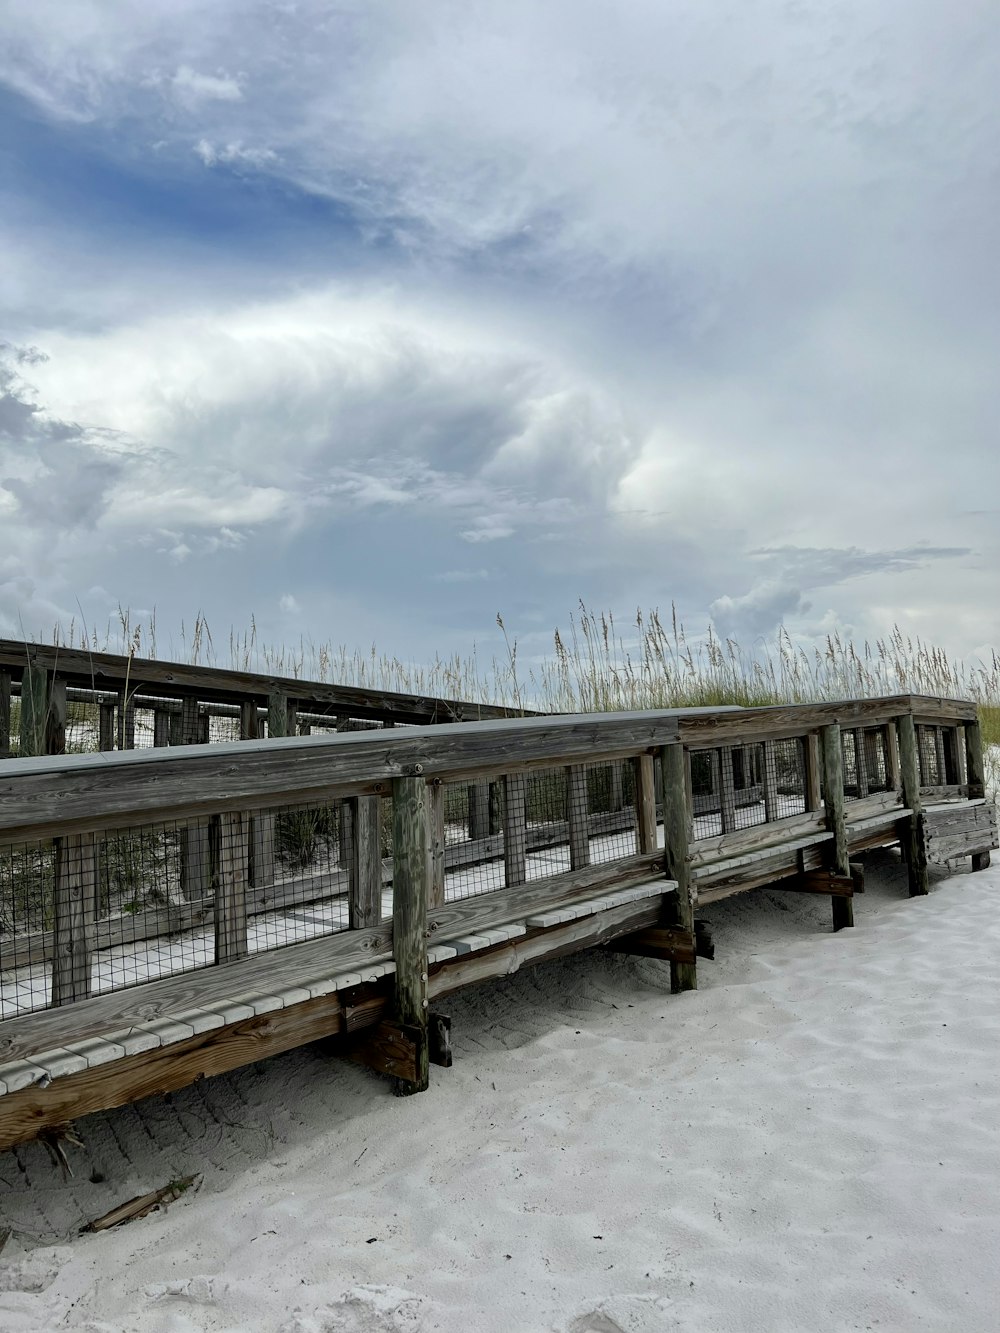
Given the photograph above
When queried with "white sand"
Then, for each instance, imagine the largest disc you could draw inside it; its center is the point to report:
(810, 1142)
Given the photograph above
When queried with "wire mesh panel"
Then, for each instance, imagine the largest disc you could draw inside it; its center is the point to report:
(27, 875)
(471, 819)
(737, 787)
(866, 760)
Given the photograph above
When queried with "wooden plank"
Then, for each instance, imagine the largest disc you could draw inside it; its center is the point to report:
(365, 866)
(811, 768)
(860, 762)
(892, 773)
(975, 767)
(262, 856)
(479, 811)
(909, 769)
(164, 1069)
(106, 725)
(34, 710)
(726, 788)
(435, 814)
(671, 944)
(676, 840)
(928, 795)
(647, 841)
(832, 758)
(75, 913)
(855, 811)
(770, 782)
(249, 720)
(710, 870)
(5, 680)
(514, 834)
(389, 1048)
(952, 741)
(196, 860)
(84, 668)
(410, 880)
(577, 814)
(757, 835)
(543, 945)
(161, 728)
(277, 714)
(230, 896)
(55, 721)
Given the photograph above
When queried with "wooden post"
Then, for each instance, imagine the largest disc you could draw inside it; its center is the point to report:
(727, 789)
(876, 756)
(277, 714)
(410, 883)
(616, 786)
(364, 896)
(676, 838)
(75, 915)
(4, 714)
(861, 762)
(34, 710)
(435, 799)
(975, 772)
(811, 771)
(952, 764)
(832, 755)
(770, 782)
(479, 811)
(249, 725)
(55, 718)
(126, 722)
(892, 775)
(231, 891)
(909, 765)
(514, 832)
(161, 727)
(106, 724)
(578, 815)
(646, 843)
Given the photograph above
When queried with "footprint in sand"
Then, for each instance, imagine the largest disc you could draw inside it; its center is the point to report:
(366, 1309)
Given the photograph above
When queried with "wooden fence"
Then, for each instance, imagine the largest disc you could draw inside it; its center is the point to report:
(170, 913)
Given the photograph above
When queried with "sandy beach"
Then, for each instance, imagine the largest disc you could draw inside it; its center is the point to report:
(808, 1142)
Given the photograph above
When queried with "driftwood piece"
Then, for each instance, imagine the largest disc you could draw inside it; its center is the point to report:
(142, 1204)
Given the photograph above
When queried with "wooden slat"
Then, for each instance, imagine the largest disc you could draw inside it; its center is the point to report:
(832, 758)
(277, 715)
(365, 866)
(645, 805)
(75, 910)
(479, 810)
(726, 788)
(770, 782)
(812, 771)
(435, 813)
(4, 714)
(34, 710)
(231, 894)
(577, 815)
(106, 726)
(757, 835)
(161, 727)
(974, 765)
(861, 762)
(55, 721)
(514, 834)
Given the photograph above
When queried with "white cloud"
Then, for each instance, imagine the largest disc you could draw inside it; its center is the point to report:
(189, 86)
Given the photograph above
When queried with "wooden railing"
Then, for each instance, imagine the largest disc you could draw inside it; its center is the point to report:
(356, 850)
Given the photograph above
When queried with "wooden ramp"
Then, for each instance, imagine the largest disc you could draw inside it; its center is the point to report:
(170, 914)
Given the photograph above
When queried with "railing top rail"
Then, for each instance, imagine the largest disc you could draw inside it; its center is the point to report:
(43, 796)
(102, 672)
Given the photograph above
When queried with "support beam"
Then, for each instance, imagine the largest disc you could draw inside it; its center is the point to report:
(514, 831)
(676, 837)
(75, 912)
(975, 769)
(435, 808)
(909, 767)
(646, 842)
(231, 892)
(4, 714)
(410, 884)
(578, 815)
(832, 756)
(34, 711)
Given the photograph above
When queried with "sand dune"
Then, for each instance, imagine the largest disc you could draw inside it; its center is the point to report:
(809, 1142)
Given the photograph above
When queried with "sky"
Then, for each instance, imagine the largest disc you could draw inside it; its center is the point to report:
(372, 320)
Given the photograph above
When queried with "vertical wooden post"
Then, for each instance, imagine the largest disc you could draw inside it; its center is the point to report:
(55, 718)
(616, 786)
(909, 766)
(410, 883)
(975, 772)
(231, 890)
(952, 763)
(435, 805)
(832, 755)
(727, 789)
(126, 722)
(34, 710)
(515, 841)
(578, 815)
(676, 839)
(645, 806)
(364, 865)
(75, 915)
(813, 786)
(861, 762)
(876, 757)
(249, 725)
(4, 714)
(277, 714)
(770, 782)
(479, 811)
(106, 724)
(161, 727)
(893, 779)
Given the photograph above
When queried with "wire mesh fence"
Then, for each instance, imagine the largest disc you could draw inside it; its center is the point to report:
(737, 787)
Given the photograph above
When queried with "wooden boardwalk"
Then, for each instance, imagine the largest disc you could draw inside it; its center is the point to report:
(170, 913)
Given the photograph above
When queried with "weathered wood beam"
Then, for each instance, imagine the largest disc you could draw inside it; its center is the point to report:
(514, 833)
(75, 912)
(646, 840)
(909, 767)
(676, 839)
(231, 893)
(410, 885)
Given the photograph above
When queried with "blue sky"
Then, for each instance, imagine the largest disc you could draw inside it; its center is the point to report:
(372, 320)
